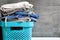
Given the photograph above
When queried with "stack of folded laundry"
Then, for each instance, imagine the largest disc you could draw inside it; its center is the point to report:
(19, 11)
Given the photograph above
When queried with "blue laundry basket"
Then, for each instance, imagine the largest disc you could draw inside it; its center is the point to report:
(17, 30)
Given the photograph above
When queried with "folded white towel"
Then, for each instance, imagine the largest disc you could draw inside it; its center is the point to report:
(13, 6)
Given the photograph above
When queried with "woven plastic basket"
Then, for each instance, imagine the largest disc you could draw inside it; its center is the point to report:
(17, 30)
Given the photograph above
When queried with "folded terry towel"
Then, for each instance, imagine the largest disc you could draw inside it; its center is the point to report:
(14, 6)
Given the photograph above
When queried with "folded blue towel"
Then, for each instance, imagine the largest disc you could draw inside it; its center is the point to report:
(34, 15)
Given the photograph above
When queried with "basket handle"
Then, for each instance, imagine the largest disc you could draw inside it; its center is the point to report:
(5, 21)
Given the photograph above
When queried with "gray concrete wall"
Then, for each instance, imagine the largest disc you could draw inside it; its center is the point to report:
(3, 2)
(14, 1)
(49, 21)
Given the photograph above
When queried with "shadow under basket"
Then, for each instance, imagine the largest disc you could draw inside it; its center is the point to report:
(1, 36)
(17, 30)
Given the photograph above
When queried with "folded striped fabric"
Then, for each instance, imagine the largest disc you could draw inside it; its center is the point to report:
(22, 14)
